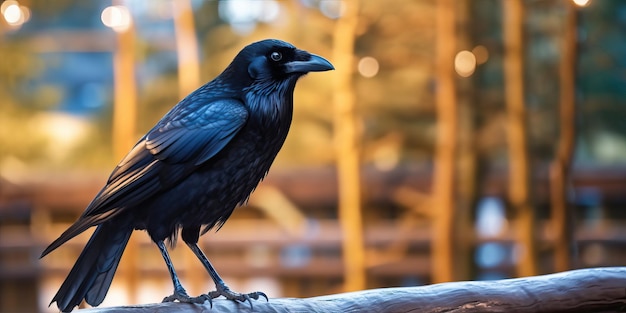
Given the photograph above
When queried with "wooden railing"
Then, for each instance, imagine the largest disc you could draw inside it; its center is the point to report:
(588, 290)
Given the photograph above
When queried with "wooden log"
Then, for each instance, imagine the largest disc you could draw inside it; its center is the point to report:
(585, 290)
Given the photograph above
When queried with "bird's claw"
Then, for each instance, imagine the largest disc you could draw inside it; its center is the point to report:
(181, 296)
(235, 296)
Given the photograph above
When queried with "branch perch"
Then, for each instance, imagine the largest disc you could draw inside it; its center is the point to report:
(585, 290)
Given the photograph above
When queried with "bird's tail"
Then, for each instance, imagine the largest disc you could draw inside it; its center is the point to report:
(91, 276)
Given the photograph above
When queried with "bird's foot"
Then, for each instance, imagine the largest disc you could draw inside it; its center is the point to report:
(223, 290)
(180, 295)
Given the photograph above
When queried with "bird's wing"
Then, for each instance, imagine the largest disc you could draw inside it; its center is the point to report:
(170, 152)
(199, 135)
(176, 146)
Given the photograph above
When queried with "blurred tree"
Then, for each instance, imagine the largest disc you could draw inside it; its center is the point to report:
(519, 165)
(442, 245)
(125, 92)
(467, 167)
(347, 139)
(560, 177)
(186, 47)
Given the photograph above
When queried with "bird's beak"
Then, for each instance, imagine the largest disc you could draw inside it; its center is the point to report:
(315, 64)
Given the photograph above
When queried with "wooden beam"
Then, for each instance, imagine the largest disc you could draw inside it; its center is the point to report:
(587, 290)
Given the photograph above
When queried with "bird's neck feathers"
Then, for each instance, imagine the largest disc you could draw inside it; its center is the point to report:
(236, 78)
(271, 100)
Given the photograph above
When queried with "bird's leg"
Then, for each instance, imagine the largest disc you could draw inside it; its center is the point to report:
(221, 288)
(179, 292)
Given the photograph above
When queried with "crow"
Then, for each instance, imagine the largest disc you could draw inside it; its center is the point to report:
(190, 171)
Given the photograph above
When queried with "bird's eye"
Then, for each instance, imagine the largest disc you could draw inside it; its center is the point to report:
(276, 56)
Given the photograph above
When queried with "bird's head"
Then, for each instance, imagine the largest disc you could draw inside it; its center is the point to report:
(273, 60)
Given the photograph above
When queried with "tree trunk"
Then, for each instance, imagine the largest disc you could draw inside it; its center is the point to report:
(467, 159)
(519, 168)
(186, 47)
(124, 93)
(562, 219)
(346, 140)
(443, 174)
(125, 125)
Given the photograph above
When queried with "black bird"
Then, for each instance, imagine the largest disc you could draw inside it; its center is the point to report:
(190, 171)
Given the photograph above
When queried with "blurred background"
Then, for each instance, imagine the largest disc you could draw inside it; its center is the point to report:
(457, 140)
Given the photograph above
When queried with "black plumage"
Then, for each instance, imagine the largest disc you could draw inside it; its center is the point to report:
(190, 171)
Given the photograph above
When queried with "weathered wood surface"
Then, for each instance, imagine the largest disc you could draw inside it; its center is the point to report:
(586, 290)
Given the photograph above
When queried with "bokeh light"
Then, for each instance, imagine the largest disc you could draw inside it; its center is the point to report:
(332, 8)
(14, 14)
(116, 17)
(368, 67)
(490, 217)
(64, 131)
(581, 3)
(465, 63)
(243, 15)
(25, 13)
(481, 53)
(490, 254)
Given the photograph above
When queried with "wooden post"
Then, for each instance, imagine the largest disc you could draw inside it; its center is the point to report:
(519, 171)
(559, 169)
(442, 246)
(346, 140)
